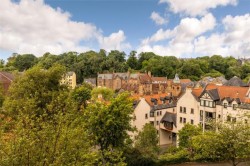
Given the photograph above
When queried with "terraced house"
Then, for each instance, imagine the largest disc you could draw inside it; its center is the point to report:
(197, 106)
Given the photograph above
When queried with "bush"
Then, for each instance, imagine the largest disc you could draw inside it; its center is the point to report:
(174, 155)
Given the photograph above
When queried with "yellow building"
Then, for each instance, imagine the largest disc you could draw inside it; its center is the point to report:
(69, 79)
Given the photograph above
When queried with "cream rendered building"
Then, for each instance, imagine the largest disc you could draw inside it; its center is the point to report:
(219, 103)
(69, 79)
(160, 111)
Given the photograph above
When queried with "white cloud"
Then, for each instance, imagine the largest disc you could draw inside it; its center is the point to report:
(180, 38)
(31, 26)
(235, 39)
(116, 41)
(196, 7)
(158, 19)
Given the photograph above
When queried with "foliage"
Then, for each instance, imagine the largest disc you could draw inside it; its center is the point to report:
(186, 134)
(147, 141)
(174, 155)
(46, 128)
(31, 92)
(1, 95)
(81, 95)
(105, 93)
(108, 124)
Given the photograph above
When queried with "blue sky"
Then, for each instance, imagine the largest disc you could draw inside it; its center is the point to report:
(167, 27)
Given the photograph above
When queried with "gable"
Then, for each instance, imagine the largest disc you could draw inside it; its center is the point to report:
(206, 96)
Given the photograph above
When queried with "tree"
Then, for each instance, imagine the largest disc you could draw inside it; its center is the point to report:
(1, 63)
(108, 124)
(40, 124)
(31, 92)
(147, 141)
(234, 141)
(81, 95)
(186, 134)
(24, 62)
(1, 95)
(103, 92)
(132, 60)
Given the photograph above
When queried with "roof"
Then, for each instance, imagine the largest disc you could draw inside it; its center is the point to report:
(235, 81)
(184, 81)
(145, 78)
(105, 76)
(169, 117)
(7, 75)
(223, 92)
(70, 73)
(233, 92)
(159, 79)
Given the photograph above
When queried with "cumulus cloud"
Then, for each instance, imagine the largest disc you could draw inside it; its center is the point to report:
(116, 41)
(31, 26)
(158, 19)
(196, 7)
(179, 39)
(193, 40)
(235, 39)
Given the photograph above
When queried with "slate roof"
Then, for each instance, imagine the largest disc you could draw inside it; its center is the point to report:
(169, 117)
(235, 81)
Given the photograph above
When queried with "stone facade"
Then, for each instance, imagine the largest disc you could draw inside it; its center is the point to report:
(140, 83)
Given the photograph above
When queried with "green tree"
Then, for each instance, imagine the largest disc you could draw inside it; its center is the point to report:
(147, 141)
(31, 92)
(186, 133)
(40, 124)
(1, 64)
(108, 124)
(1, 95)
(103, 92)
(24, 62)
(234, 142)
(132, 60)
(81, 95)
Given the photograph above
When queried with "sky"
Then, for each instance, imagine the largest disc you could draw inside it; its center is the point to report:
(182, 28)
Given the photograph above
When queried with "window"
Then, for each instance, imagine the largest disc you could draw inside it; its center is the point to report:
(160, 112)
(180, 108)
(157, 113)
(184, 110)
(233, 119)
(192, 111)
(184, 120)
(146, 116)
(192, 121)
(234, 106)
(180, 119)
(202, 102)
(151, 114)
(157, 122)
(225, 105)
(219, 116)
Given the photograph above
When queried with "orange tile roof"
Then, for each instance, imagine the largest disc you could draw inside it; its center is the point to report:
(159, 79)
(233, 92)
(156, 96)
(185, 81)
(197, 92)
(225, 91)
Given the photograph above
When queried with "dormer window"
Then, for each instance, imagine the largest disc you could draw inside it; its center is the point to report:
(225, 105)
(234, 106)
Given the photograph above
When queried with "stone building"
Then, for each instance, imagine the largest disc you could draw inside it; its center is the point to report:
(141, 83)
